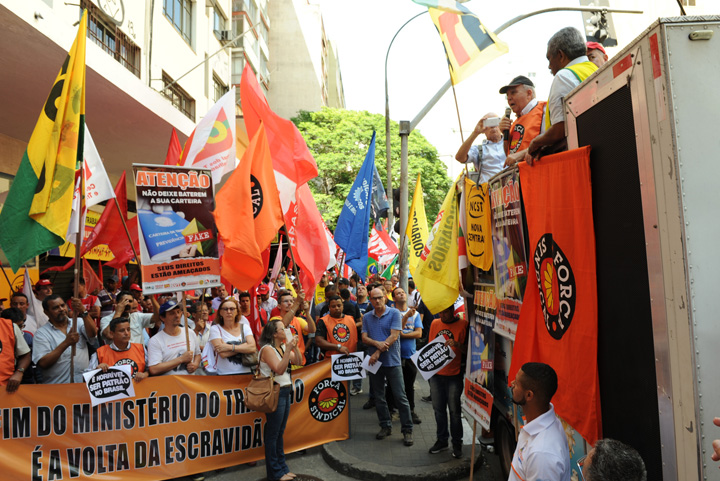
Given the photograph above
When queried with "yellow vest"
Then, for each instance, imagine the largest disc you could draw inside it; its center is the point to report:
(582, 71)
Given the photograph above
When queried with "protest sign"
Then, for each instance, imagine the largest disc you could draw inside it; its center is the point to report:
(178, 239)
(480, 366)
(174, 427)
(432, 357)
(116, 383)
(346, 367)
(508, 250)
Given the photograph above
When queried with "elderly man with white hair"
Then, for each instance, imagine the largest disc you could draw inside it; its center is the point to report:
(488, 157)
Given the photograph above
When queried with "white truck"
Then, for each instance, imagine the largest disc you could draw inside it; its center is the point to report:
(651, 116)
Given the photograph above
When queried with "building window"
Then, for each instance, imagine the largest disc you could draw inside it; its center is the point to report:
(179, 12)
(112, 40)
(220, 88)
(179, 98)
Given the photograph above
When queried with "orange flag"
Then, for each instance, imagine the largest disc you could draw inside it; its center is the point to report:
(248, 214)
(558, 320)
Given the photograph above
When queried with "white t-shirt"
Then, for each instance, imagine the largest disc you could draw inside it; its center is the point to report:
(230, 365)
(164, 347)
(138, 322)
(542, 451)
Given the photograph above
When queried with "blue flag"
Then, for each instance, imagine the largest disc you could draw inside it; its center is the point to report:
(351, 233)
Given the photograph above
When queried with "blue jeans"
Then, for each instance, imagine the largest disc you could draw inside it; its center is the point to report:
(394, 377)
(445, 392)
(275, 466)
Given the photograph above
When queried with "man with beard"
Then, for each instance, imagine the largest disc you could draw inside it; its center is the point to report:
(542, 449)
(52, 341)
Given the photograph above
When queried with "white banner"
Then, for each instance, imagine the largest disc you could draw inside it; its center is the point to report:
(434, 356)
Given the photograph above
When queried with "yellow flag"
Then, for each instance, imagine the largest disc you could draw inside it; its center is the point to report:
(417, 230)
(437, 276)
(468, 44)
(478, 235)
(289, 286)
(58, 135)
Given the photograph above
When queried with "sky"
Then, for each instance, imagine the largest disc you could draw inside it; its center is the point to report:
(417, 67)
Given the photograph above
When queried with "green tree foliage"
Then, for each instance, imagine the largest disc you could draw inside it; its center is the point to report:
(339, 139)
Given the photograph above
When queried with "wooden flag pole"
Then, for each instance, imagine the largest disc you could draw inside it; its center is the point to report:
(457, 110)
(187, 331)
(127, 232)
(472, 450)
(292, 255)
(76, 286)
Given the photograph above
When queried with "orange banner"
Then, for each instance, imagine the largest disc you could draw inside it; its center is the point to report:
(173, 427)
(558, 320)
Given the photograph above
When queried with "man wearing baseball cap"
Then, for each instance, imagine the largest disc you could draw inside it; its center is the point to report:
(596, 53)
(43, 289)
(520, 94)
(137, 294)
(267, 303)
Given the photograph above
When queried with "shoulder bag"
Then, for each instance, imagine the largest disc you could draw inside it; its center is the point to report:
(249, 359)
(262, 393)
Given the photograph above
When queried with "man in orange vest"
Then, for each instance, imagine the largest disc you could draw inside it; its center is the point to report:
(520, 94)
(336, 333)
(298, 326)
(121, 351)
(568, 62)
(14, 355)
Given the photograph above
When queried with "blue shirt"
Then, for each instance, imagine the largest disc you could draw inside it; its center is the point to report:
(379, 329)
(488, 161)
(409, 346)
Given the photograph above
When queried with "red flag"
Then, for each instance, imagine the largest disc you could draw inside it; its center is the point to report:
(92, 281)
(109, 229)
(381, 244)
(292, 161)
(294, 166)
(248, 215)
(306, 234)
(558, 318)
(174, 150)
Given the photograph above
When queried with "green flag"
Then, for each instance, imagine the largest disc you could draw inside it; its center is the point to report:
(387, 273)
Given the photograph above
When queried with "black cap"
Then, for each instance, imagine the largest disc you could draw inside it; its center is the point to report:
(519, 80)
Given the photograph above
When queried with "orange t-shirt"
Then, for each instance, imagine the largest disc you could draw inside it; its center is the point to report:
(458, 331)
(340, 331)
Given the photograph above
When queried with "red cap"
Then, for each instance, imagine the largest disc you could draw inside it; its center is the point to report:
(43, 282)
(135, 287)
(596, 46)
(263, 289)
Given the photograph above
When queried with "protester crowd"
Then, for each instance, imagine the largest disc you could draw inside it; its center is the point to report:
(185, 334)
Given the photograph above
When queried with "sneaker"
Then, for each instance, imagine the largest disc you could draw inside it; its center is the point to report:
(415, 418)
(457, 451)
(426, 399)
(199, 477)
(394, 415)
(438, 446)
(369, 405)
(353, 391)
(384, 432)
(408, 439)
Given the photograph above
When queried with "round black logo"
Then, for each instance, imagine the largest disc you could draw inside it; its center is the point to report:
(446, 332)
(341, 333)
(327, 400)
(516, 137)
(556, 284)
(128, 362)
(256, 194)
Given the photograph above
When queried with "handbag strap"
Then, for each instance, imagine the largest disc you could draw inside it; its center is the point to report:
(257, 372)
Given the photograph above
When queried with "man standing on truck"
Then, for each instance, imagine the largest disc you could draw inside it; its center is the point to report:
(542, 449)
(568, 63)
(520, 94)
(488, 157)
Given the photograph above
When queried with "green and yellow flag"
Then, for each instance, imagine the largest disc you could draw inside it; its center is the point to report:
(37, 211)
(417, 230)
(437, 276)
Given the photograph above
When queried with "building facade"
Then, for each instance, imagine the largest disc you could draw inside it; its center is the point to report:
(146, 71)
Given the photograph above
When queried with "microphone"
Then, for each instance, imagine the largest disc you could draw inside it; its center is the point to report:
(506, 133)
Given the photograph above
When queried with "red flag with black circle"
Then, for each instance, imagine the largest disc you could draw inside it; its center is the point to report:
(558, 320)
